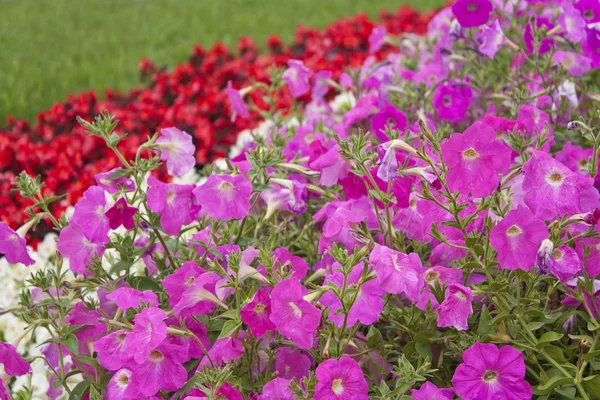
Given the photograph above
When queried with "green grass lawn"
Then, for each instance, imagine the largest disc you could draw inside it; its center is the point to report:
(49, 48)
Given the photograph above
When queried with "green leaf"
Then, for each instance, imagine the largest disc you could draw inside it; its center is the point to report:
(231, 314)
(554, 382)
(550, 337)
(260, 187)
(592, 386)
(228, 328)
(373, 336)
(423, 337)
(70, 342)
(121, 173)
(145, 283)
(94, 395)
(554, 352)
(79, 390)
(485, 325)
(534, 326)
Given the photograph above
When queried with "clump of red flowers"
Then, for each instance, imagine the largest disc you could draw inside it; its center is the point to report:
(191, 97)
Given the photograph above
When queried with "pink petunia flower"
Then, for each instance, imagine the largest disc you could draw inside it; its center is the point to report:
(369, 301)
(428, 391)
(572, 23)
(575, 64)
(562, 262)
(162, 370)
(517, 238)
(292, 363)
(74, 244)
(118, 384)
(377, 39)
(546, 44)
(224, 350)
(294, 317)
(491, 38)
(194, 349)
(456, 307)
(490, 373)
(475, 160)
(297, 78)
(441, 275)
(121, 213)
(225, 197)
(177, 283)
(589, 9)
(320, 87)
(452, 100)
(177, 149)
(225, 392)
(126, 298)
(112, 186)
(13, 246)
(277, 389)
(111, 350)
(283, 257)
(13, 363)
(257, 312)
(89, 215)
(331, 166)
(341, 379)
(472, 13)
(148, 333)
(391, 117)
(398, 272)
(171, 202)
(199, 297)
(237, 102)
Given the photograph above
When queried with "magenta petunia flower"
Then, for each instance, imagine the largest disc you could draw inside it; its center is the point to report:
(456, 307)
(331, 166)
(517, 238)
(225, 197)
(237, 102)
(575, 64)
(277, 389)
(283, 257)
(428, 391)
(121, 213)
(89, 215)
(572, 23)
(126, 298)
(199, 297)
(297, 78)
(562, 262)
(177, 149)
(171, 202)
(491, 38)
(292, 363)
(177, 283)
(118, 384)
(452, 100)
(490, 373)
(320, 87)
(589, 9)
(111, 350)
(341, 379)
(13, 246)
(369, 301)
(257, 312)
(391, 117)
(475, 160)
(194, 349)
(472, 13)
(286, 194)
(294, 317)
(441, 275)
(13, 363)
(377, 39)
(546, 43)
(162, 370)
(398, 272)
(224, 350)
(74, 244)
(112, 185)
(551, 189)
(148, 333)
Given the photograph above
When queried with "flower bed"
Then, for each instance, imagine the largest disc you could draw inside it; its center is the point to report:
(190, 97)
(429, 233)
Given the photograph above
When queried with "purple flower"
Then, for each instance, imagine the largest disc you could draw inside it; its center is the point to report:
(398, 272)
(111, 350)
(126, 298)
(89, 215)
(428, 391)
(320, 87)
(456, 307)
(589, 9)
(574, 63)
(491, 38)
(517, 238)
(225, 197)
(111, 186)
(377, 39)
(294, 317)
(118, 384)
(571, 21)
(297, 77)
(390, 117)
(74, 244)
(283, 256)
(292, 363)
(490, 373)
(546, 43)
(178, 282)
(171, 202)
(13, 246)
(148, 333)
(162, 370)
(452, 100)
(13, 363)
(177, 149)
(472, 13)
(475, 160)
(199, 297)
(341, 379)
(257, 312)
(121, 213)
(277, 389)
(224, 350)
(441, 275)
(562, 262)
(331, 166)
(237, 102)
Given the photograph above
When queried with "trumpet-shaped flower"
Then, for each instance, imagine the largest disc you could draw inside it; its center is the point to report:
(148, 333)
(398, 272)
(13, 246)
(89, 215)
(225, 197)
(75, 244)
(121, 213)
(341, 379)
(256, 314)
(171, 202)
(472, 13)
(456, 307)
(297, 78)
(177, 149)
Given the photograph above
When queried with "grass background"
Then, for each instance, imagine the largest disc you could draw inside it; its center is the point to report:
(49, 48)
